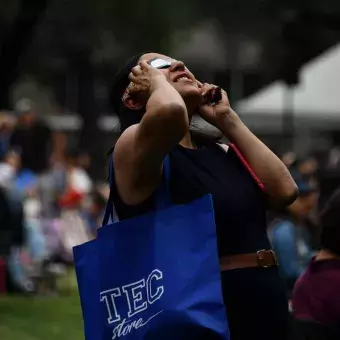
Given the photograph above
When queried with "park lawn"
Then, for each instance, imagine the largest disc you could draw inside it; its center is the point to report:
(41, 318)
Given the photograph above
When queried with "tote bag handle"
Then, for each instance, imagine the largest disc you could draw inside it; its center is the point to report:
(163, 196)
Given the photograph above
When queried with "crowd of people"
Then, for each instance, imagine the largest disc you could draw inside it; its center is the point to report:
(49, 203)
(306, 239)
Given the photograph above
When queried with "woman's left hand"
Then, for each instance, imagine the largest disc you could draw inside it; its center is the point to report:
(214, 114)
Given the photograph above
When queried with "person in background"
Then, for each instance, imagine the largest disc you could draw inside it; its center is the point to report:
(95, 211)
(34, 234)
(30, 138)
(288, 159)
(73, 227)
(329, 175)
(316, 294)
(84, 160)
(7, 123)
(305, 169)
(25, 262)
(9, 168)
(6, 217)
(52, 184)
(78, 179)
(5, 238)
(290, 238)
(18, 278)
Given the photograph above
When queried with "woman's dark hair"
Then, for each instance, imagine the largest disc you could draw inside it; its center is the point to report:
(330, 223)
(128, 117)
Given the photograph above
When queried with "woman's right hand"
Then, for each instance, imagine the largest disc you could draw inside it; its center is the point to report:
(145, 79)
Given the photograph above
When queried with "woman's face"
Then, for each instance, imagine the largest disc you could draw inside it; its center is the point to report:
(179, 77)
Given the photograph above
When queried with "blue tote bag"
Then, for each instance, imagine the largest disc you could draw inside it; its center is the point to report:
(86, 264)
(158, 274)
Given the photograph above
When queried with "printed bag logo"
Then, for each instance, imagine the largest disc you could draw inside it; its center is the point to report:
(138, 297)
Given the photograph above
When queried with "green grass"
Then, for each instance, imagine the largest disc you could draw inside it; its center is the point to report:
(41, 318)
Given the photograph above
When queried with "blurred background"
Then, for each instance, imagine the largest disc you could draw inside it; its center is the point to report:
(279, 62)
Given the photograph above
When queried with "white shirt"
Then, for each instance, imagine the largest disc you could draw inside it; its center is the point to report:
(80, 181)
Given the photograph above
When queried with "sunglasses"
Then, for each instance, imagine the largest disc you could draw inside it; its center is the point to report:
(160, 63)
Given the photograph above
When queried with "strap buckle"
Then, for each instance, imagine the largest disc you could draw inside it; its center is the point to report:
(261, 258)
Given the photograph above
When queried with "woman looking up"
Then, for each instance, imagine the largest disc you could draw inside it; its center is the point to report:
(155, 97)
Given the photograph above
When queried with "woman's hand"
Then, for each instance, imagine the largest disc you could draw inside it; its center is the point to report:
(145, 79)
(217, 114)
(281, 189)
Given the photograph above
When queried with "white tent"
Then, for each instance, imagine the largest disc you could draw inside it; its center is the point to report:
(317, 94)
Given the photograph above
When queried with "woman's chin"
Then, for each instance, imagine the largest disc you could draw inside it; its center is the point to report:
(190, 91)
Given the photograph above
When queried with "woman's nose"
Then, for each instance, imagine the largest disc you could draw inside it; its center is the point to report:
(177, 66)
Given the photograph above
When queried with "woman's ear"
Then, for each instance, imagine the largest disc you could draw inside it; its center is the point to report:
(131, 103)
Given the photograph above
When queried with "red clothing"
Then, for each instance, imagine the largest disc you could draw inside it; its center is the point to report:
(316, 294)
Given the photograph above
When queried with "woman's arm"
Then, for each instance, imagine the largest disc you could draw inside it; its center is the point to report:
(280, 186)
(140, 151)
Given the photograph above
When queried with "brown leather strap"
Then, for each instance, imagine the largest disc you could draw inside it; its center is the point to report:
(263, 258)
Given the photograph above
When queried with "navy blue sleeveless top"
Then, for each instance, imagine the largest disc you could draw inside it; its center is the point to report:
(239, 203)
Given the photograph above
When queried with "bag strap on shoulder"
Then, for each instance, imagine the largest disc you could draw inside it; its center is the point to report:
(163, 196)
(110, 214)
